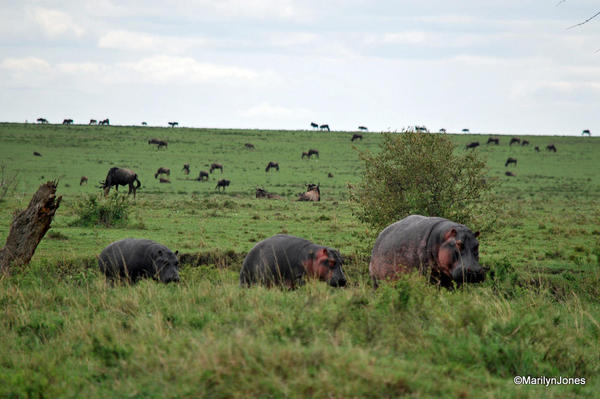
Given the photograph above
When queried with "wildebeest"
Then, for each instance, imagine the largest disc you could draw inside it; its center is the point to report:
(472, 144)
(514, 140)
(173, 124)
(284, 260)
(37, 154)
(42, 120)
(510, 160)
(186, 168)
(313, 193)
(161, 171)
(105, 122)
(272, 164)
(83, 179)
(67, 122)
(164, 180)
(356, 136)
(314, 125)
(120, 177)
(583, 133)
(446, 251)
(132, 259)
(261, 193)
(537, 149)
(329, 174)
(324, 127)
(222, 183)
(509, 173)
(249, 146)
(524, 143)
(214, 166)
(304, 154)
(551, 147)
(363, 128)
(159, 143)
(312, 152)
(202, 176)
(92, 122)
(494, 140)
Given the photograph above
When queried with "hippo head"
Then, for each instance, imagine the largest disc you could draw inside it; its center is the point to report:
(459, 256)
(166, 265)
(326, 265)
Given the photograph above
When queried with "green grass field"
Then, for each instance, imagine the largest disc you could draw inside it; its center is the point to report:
(65, 333)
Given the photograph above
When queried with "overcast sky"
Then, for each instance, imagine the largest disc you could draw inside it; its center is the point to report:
(492, 66)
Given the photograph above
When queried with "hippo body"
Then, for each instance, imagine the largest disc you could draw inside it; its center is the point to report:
(285, 260)
(131, 259)
(445, 250)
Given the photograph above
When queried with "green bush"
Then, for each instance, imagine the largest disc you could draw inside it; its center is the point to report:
(420, 173)
(94, 210)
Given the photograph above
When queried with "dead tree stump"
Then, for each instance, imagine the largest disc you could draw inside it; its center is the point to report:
(29, 227)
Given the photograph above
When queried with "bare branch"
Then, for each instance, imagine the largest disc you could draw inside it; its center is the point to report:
(586, 21)
(560, 2)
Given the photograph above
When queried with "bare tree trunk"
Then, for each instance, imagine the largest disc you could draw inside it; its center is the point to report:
(28, 227)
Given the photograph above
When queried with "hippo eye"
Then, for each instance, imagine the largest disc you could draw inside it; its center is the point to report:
(459, 245)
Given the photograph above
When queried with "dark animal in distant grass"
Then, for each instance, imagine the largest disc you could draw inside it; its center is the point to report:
(363, 128)
(537, 149)
(324, 127)
(509, 173)
(104, 122)
(93, 122)
(304, 154)
(313, 193)
(202, 176)
(509, 161)
(272, 165)
(285, 261)
(161, 171)
(173, 124)
(37, 154)
(329, 174)
(493, 140)
(314, 125)
(261, 193)
(356, 136)
(222, 184)
(446, 251)
(120, 177)
(312, 152)
(42, 120)
(472, 144)
(249, 146)
(551, 147)
(164, 180)
(159, 143)
(586, 132)
(67, 121)
(216, 166)
(524, 143)
(131, 259)
(186, 168)
(514, 140)
(83, 179)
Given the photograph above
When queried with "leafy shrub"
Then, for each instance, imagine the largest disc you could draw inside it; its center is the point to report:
(419, 173)
(94, 210)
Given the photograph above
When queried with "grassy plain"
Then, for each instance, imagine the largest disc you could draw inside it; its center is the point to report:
(66, 334)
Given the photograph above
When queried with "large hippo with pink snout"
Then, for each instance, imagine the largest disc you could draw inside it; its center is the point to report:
(446, 251)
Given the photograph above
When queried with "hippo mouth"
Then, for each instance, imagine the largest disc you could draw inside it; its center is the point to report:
(337, 283)
(463, 275)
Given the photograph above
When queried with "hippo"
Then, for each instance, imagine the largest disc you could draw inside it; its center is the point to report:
(284, 260)
(447, 251)
(131, 259)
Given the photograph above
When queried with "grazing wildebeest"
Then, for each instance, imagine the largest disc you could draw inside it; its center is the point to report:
(551, 147)
(42, 120)
(304, 154)
(514, 140)
(159, 143)
(161, 171)
(222, 183)
(202, 176)
(144, 124)
(186, 168)
(442, 130)
(67, 122)
(329, 174)
(284, 260)
(314, 125)
(216, 166)
(173, 124)
(494, 140)
(324, 127)
(446, 251)
(120, 177)
(537, 149)
(132, 259)
(261, 193)
(363, 128)
(249, 146)
(510, 160)
(524, 143)
(164, 180)
(509, 173)
(312, 152)
(37, 154)
(83, 179)
(313, 193)
(92, 122)
(272, 164)
(586, 131)
(104, 122)
(465, 130)
(356, 136)
(472, 144)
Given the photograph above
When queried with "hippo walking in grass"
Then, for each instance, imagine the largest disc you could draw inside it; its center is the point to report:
(131, 259)
(447, 251)
(285, 260)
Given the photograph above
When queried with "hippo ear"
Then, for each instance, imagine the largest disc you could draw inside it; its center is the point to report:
(322, 253)
(450, 234)
(476, 234)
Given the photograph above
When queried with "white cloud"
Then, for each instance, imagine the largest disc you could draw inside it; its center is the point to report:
(137, 41)
(266, 110)
(258, 9)
(27, 64)
(55, 23)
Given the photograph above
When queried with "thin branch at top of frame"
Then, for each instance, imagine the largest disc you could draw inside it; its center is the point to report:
(586, 21)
